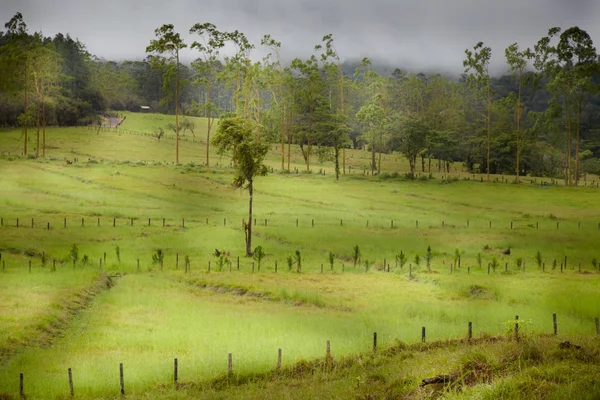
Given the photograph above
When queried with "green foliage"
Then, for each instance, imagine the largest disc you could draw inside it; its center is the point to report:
(331, 259)
(356, 255)
(158, 257)
(479, 260)
(74, 254)
(85, 260)
(494, 264)
(417, 260)
(401, 259)
(519, 262)
(259, 254)
(428, 257)
(595, 262)
(298, 259)
(118, 252)
(456, 257)
(539, 259)
(290, 262)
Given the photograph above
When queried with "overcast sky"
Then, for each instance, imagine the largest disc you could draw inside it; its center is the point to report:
(411, 34)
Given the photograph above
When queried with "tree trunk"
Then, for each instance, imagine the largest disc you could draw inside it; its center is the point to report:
(489, 126)
(290, 126)
(373, 165)
(177, 109)
(337, 162)
(38, 113)
(249, 237)
(43, 120)
(26, 101)
(209, 123)
(282, 134)
(519, 127)
(577, 143)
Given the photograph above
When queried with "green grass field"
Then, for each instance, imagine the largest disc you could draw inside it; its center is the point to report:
(123, 308)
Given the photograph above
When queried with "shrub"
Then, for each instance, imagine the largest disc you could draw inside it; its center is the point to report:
(74, 254)
(428, 257)
(259, 254)
(594, 262)
(356, 255)
(494, 263)
(417, 260)
(118, 252)
(538, 259)
(158, 257)
(519, 262)
(479, 260)
(401, 259)
(290, 262)
(331, 259)
(298, 261)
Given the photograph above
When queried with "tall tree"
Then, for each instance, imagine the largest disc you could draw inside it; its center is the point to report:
(238, 134)
(409, 136)
(213, 41)
(517, 61)
(278, 101)
(169, 42)
(330, 52)
(478, 61)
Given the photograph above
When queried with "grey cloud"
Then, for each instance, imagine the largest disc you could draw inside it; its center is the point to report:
(426, 34)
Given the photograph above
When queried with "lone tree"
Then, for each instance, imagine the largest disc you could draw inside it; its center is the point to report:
(237, 133)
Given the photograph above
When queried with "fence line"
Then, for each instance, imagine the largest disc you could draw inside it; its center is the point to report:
(516, 335)
(380, 223)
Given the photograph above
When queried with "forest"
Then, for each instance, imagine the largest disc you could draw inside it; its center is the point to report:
(542, 118)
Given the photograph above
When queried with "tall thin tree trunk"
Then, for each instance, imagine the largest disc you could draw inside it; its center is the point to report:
(290, 134)
(177, 110)
(38, 113)
(43, 120)
(577, 143)
(282, 134)
(249, 237)
(489, 127)
(258, 115)
(519, 127)
(209, 123)
(26, 103)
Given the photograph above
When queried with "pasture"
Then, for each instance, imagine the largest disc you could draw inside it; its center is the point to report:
(124, 200)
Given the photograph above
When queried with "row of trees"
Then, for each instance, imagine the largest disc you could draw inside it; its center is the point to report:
(510, 125)
(541, 119)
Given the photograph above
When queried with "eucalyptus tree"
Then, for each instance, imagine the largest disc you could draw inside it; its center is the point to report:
(237, 134)
(517, 60)
(168, 42)
(240, 65)
(568, 60)
(478, 62)
(307, 99)
(330, 52)
(15, 61)
(278, 101)
(45, 65)
(577, 50)
(212, 41)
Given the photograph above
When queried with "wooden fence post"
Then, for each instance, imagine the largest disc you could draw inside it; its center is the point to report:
(555, 323)
(516, 327)
(175, 371)
(122, 379)
(230, 364)
(71, 383)
(422, 334)
(328, 350)
(21, 389)
(278, 358)
(470, 330)
(374, 342)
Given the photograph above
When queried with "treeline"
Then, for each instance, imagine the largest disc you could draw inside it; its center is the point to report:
(541, 119)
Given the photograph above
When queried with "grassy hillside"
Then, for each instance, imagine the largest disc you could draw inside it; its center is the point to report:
(111, 205)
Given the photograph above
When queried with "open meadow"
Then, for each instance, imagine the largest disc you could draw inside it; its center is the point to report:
(111, 259)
